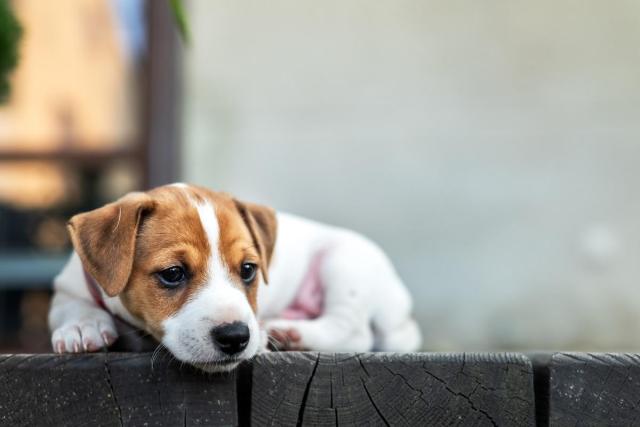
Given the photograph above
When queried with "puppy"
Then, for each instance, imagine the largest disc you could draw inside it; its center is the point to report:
(204, 274)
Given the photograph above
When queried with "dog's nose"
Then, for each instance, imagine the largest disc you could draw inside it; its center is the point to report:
(231, 338)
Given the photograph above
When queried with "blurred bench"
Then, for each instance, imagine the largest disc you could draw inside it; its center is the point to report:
(503, 389)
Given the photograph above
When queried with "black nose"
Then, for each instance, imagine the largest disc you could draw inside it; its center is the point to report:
(231, 338)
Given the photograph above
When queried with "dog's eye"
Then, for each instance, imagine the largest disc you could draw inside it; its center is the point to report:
(172, 277)
(248, 272)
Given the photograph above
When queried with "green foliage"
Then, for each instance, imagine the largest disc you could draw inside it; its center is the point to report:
(181, 19)
(10, 32)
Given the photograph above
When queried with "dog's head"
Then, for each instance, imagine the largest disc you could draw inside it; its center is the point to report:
(187, 263)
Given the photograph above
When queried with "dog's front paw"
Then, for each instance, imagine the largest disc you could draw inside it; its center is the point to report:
(284, 336)
(84, 336)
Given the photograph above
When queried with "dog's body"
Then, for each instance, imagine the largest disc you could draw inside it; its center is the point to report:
(329, 289)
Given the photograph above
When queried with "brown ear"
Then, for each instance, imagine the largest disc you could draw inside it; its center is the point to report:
(262, 224)
(105, 239)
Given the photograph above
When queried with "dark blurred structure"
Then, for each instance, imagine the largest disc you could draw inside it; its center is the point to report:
(92, 116)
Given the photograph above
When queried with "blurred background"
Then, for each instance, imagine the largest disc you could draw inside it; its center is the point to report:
(491, 148)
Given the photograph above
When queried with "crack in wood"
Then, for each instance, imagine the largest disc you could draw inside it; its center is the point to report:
(362, 364)
(406, 382)
(107, 371)
(366, 390)
(464, 396)
(184, 416)
(183, 402)
(306, 392)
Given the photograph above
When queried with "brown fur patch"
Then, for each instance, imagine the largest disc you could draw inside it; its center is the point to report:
(236, 246)
(172, 235)
(105, 240)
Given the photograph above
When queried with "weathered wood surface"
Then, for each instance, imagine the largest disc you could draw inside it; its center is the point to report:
(594, 389)
(124, 389)
(111, 389)
(383, 389)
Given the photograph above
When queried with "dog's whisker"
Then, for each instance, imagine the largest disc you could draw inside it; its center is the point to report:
(278, 344)
(273, 340)
(155, 354)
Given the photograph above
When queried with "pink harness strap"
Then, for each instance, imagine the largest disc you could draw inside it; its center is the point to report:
(309, 302)
(130, 338)
(94, 291)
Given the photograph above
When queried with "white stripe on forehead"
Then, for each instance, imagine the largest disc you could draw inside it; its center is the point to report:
(216, 268)
(184, 189)
(187, 332)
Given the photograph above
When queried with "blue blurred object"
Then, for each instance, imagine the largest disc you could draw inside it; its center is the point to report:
(131, 21)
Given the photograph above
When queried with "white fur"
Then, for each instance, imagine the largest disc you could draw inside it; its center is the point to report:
(366, 304)
(77, 323)
(361, 289)
(180, 185)
(188, 332)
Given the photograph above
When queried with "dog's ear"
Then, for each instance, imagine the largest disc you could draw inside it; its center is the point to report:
(262, 224)
(105, 239)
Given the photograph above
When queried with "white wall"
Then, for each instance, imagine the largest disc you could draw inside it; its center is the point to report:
(491, 148)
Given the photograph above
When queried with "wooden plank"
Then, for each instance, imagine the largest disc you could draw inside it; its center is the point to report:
(40, 390)
(112, 389)
(387, 389)
(594, 389)
(170, 394)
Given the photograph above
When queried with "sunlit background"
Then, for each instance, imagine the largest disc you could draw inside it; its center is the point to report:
(491, 148)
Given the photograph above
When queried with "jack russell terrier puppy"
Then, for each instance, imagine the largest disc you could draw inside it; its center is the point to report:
(190, 267)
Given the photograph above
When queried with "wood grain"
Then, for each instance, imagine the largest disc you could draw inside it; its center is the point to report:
(111, 389)
(125, 389)
(590, 389)
(384, 389)
(41, 390)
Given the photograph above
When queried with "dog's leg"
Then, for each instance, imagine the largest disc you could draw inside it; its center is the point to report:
(361, 289)
(77, 323)
(79, 326)
(346, 273)
(326, 333)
